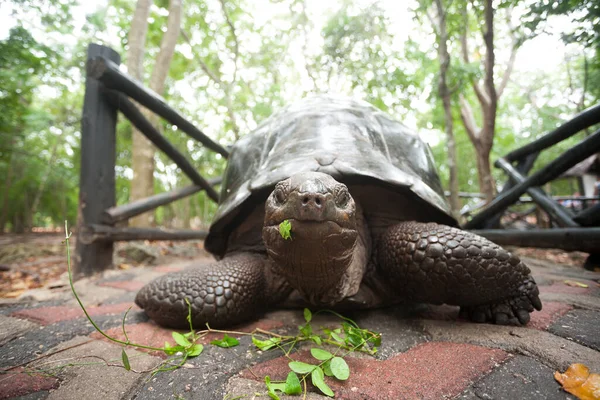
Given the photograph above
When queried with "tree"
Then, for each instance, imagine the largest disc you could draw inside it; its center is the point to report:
(439, 25)
(482, 135)
(143, 150)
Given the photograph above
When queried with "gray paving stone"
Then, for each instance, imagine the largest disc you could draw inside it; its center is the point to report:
(551, 350)
(11, 328)
(41, 395)
(207, 377)
(37, 341)
(87, 377)
(519, 378)
(398, 332)
(582, 326)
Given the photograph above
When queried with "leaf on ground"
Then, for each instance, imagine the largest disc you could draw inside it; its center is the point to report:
(292, 384)
(300, 367)
(318, 379)
(125, 360)
(195, 350)
(340, 368)
(180, 339)
(578, 381)
(320, 354)
(575, 284)
(307, 315)
(266, 344)
(226, 342)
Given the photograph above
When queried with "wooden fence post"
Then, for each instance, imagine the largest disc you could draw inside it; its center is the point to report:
(97, 178)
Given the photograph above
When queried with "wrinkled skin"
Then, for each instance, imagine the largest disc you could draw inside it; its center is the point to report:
(332, 260)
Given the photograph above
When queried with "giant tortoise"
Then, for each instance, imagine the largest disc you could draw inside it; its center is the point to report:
(370, 227)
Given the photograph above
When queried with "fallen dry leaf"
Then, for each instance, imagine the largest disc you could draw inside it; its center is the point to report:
(578, 381)
(576, 284)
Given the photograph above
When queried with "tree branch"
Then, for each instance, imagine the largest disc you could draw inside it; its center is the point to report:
(488, 39)
(236, 46)
(511, 61)
(203, 65)
(468, 119)
(481, 96)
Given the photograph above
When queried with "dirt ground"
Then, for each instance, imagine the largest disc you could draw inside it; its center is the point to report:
(36, 260)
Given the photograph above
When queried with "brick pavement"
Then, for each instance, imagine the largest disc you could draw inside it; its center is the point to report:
(425, 354)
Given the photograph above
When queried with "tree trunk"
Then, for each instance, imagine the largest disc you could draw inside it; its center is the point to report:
(486, 180)
(143, 150)
(445, 95)
(135, 67)
(7, 184)
(45, 177)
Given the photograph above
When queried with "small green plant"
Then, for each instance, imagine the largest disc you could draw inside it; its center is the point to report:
(345, 339)
(350, 337)
(285, 230)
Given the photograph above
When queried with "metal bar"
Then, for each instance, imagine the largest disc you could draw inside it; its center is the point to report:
(583, 120)
(589, 217)
(126, 211)
(97, 233)
(554, 209)
(109, 74)
(97, 173)
(571, 239)
(137, 118)
(569, 158)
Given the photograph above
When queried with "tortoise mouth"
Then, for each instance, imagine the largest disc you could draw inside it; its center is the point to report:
(308, 230)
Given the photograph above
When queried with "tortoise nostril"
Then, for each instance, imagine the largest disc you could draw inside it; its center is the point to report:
(317, 201)
(305, 200)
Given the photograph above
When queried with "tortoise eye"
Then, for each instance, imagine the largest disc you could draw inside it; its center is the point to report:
(279, 195)
(342, 196)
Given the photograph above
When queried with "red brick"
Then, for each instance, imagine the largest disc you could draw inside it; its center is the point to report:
(561, 287)
(130, 286)
(51, 315)
(150, 334)
(551, 311)
(427, 371)
(145, 333)
(19, 383)
(167, 268)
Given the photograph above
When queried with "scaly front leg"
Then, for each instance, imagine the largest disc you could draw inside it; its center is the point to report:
(223, 293)
(432, 263)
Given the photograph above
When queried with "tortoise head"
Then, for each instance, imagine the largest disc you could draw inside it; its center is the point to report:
(323, 259)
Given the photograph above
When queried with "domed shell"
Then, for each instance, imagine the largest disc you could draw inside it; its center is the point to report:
(348, 139)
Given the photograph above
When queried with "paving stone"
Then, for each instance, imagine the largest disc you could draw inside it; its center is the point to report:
(33, 343)
(550, 312)
(207, 377)
(41, 395)
(576, 300)
(398, 334)
(582, 326)
(249, 389)
(52, 315)
(518, 378)
(18, 383)
(80, 379)
(168, 268)
(561, 287)
(130, 286)
(150, 334)
(11, 328)
(427, 371)
(549, 349)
